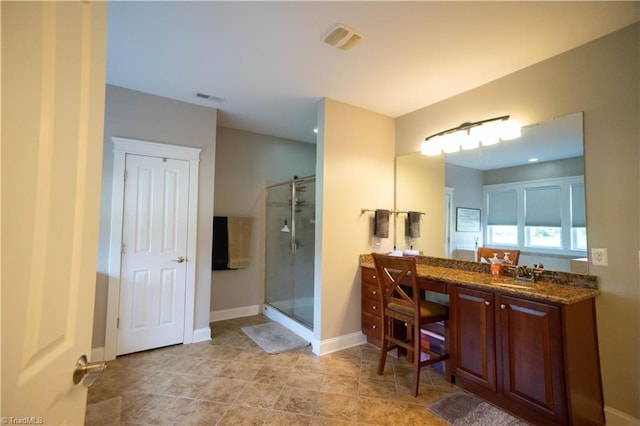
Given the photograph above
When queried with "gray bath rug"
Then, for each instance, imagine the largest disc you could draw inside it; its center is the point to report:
(463, 409)
(274, 338)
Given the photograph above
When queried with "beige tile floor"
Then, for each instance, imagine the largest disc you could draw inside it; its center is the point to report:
(231, 381)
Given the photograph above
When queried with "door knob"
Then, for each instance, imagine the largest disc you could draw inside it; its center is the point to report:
(89, 371)
(180, 259)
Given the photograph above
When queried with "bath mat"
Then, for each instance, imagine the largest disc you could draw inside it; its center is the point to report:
(463, 409)
(274, 338)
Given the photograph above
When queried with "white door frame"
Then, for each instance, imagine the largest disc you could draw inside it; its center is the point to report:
(121, 148)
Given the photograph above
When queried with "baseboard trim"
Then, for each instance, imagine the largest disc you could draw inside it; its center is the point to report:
(226, 314)
(342, 342)
(97, 354)
(201, 334)
(618, 418)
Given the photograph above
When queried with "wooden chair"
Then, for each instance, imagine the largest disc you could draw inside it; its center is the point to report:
(398, 304)
(487, 253)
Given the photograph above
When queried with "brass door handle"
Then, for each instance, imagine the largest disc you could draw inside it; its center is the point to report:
(89, 371)
(180, 259)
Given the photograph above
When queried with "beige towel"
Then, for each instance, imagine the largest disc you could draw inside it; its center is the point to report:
(239, 231)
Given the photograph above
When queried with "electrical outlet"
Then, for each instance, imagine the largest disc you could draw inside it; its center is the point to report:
(599, 257)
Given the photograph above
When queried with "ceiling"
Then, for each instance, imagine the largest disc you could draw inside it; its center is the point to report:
(269, 63)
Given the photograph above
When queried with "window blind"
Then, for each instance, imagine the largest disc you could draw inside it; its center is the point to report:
(502, 207)
(578, 217)
(543, 206)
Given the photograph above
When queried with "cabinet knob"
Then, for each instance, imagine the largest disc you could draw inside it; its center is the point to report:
(374, 326)
(375, 307)
(486, 302)
(503, 306)
(374, 277)
(374, 292)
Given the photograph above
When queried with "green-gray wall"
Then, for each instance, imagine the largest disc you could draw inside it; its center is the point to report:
(246, 163)
(136, 115)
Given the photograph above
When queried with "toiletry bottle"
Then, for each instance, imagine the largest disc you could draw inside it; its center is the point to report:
(495, 265)
(506, 259)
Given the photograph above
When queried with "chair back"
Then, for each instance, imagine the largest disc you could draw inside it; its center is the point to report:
(487, 253)
(391, 272)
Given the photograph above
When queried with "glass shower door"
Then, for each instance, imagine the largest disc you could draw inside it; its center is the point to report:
(290, 249)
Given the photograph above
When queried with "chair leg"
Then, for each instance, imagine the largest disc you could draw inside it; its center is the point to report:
(410, 354)
(384, 348)
(417, 352)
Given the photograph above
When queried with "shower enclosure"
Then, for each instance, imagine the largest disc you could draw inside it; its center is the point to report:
(290, 248)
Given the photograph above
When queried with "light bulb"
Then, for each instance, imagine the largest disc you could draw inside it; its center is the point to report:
(432, 146)
(510, 129)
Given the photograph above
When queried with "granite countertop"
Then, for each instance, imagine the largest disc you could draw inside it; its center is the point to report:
(562, 288)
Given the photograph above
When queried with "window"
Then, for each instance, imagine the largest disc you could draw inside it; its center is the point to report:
(544, 215)
(502, 217)
(578, 218)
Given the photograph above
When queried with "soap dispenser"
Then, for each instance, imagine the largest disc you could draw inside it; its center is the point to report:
(507, 260)
(495, 265)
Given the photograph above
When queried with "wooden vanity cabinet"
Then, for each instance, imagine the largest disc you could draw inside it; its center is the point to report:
(473, 344)
(371, 307)
(538, 360)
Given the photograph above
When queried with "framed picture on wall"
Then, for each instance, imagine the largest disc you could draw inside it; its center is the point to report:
(467, 220)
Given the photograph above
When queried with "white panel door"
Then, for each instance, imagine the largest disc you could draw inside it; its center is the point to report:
(53, 79)
(154, 247)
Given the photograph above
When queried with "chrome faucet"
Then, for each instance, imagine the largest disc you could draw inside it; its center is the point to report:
(523, 273)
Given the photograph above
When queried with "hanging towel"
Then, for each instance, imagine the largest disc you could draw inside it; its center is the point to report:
(220, 253)
(381, 224)
(413, 224)
(239, 229)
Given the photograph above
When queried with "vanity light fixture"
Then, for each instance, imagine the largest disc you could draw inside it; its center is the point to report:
(471, 135)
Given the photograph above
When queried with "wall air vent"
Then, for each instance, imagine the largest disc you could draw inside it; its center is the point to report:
(342, 37)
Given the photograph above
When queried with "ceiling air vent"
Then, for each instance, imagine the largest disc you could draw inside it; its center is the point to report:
(343, 37)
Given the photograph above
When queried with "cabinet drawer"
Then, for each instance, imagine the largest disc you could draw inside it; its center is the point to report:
(370, 291)
(369, 276)
(372, 327)
(371, 306)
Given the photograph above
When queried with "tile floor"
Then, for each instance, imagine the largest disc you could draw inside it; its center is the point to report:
(231, 381)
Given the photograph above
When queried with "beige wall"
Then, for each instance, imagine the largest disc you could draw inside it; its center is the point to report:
(137, 115)
(354, 171)
(420, 187)
(601, 79)
(246, 163)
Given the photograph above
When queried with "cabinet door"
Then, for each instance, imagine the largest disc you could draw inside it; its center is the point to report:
(472, 315)
(531, 342)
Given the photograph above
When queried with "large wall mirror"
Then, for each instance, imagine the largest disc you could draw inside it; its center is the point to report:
(526, 194)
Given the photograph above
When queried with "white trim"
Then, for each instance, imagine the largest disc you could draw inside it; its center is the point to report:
(201, 334)
(618, 418)
(292, 325)
(97, 354)
(226, 314)
(341, 342)
(121, 148)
